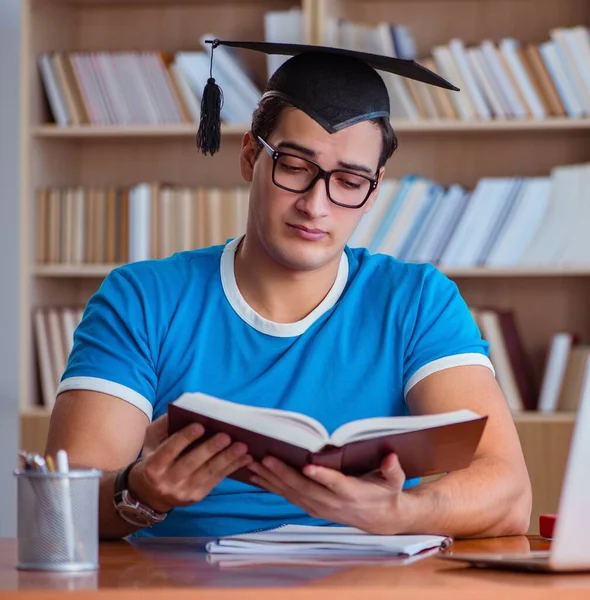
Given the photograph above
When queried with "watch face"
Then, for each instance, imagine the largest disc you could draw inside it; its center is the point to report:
(134, 515)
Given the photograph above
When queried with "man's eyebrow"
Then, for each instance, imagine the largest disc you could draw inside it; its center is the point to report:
(313, 154)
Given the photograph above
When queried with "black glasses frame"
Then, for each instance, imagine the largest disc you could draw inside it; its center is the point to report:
(322, 174)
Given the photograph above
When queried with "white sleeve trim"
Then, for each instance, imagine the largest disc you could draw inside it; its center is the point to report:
(458, 360)
(96, 384)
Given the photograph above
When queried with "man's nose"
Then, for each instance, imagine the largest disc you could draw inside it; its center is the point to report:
(315, 202)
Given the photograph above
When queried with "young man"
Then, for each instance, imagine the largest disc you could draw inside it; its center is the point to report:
(288, 316)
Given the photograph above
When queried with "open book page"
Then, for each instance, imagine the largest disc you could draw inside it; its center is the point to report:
(295, 428)
(307, 539)
(380, 426)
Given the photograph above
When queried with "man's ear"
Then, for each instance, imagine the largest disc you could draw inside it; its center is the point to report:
(373, 197)
(247, 156)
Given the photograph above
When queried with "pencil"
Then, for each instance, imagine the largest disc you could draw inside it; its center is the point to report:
(50, 464)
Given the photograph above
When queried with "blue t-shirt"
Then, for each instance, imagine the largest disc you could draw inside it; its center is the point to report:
(156, 329)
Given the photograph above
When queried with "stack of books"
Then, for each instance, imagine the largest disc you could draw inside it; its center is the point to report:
(157, 88)
(502, 222)
(506, 79)
(96, 225)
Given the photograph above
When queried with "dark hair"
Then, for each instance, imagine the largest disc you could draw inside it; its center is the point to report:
(266, 117)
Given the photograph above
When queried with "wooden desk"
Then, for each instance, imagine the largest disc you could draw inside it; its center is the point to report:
(178, 570)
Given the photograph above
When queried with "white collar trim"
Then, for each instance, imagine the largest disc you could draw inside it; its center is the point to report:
(250, 316)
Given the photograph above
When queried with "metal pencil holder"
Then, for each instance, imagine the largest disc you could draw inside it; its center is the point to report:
(58, 520)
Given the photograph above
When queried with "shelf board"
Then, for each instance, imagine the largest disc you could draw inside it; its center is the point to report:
(130, 131)
(550, 271)
(102, 270)
(189, 130)
(88, 271)
(530, 416)
(534, 416)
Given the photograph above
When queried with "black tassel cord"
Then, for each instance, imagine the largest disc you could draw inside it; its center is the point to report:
(209, 133)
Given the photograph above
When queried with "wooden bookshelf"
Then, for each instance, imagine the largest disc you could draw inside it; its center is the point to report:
(432, 126)
(545, 300)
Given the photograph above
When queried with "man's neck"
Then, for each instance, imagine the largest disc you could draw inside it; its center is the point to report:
(275, 292)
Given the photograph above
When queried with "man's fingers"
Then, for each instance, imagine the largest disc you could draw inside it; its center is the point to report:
(167, 453)
(392, 471)
(199, 457)
(221, 470)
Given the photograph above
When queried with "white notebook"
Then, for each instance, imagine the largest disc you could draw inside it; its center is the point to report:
(313, 540)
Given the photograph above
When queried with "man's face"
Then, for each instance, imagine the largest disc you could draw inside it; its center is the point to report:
(306, 231)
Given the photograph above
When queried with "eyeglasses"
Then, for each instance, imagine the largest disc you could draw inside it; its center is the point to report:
(295, 174)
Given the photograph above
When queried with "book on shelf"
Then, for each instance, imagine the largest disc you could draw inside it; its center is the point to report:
(312, 540)
(424, 444)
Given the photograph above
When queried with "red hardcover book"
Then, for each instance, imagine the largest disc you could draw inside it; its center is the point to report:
(425, 444)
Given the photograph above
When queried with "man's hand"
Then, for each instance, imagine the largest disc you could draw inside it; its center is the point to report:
(162, 480)
(370, 503)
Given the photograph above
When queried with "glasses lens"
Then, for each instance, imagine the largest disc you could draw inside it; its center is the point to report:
(348, 188)
(294, 173)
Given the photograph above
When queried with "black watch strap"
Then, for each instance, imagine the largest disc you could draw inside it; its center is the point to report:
(122, 481)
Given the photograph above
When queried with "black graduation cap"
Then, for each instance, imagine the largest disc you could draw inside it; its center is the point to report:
(334, 86)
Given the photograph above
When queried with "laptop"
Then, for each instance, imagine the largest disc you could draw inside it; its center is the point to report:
(570, 546)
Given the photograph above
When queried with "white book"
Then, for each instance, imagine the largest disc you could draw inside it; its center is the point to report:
(365, 230)
(139, 222)
(553, 234)
(243, 201)
(523, 224)
(555, 367)
(491, 330)
(553, 61)
(54, 93)
(112, 88)
(449, 70)
(285, 26)
(457, 48)
(509, 48)
(578, 39)
(443, 227)
(56, 344)
(491, 56)
(310, 539)
(431, 212)
(68, 324)
(577, 213)
(467, 239)
(394, 236)
(191, 100)
(570, 67)
(486, 83)
(506, 207)
(401, 103)
(45, 358)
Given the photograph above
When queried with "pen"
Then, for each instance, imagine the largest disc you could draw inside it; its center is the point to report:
(61, 459)
(39, 463)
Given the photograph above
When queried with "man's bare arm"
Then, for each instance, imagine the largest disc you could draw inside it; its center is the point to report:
(493, 496)
(101, 431)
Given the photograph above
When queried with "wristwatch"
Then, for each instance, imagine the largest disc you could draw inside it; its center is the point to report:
(130, 509)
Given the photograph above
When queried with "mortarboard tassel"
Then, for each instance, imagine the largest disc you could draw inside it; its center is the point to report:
(209, 133)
